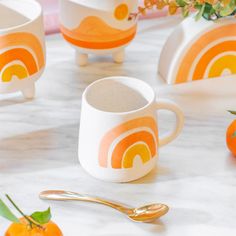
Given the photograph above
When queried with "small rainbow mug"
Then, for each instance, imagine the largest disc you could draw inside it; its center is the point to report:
(118, 139)
(22, 46)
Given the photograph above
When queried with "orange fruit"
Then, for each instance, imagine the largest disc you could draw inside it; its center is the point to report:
(231, 137)
(23, 229)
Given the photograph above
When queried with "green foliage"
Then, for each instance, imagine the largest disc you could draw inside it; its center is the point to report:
(42, 217)
(209, 12)
(208, 9)
(228, 9)
(201, 11)
(181, 3)
(212, 10)
(6, 213)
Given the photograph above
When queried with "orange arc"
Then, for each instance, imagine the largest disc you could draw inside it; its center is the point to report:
(19, 54)
(209, 55)
(27, 40)
(188, 60)
(94, 33)
(123, 145)
(98, 45)
(109, 138)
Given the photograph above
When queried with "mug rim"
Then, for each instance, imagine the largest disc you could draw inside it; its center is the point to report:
(150, 101)
(37, 16)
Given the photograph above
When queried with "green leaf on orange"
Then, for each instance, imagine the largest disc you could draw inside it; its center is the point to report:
(42, 217)
(6, 213)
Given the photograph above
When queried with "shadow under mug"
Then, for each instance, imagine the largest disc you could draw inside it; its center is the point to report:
(22, 46)
(118, 139)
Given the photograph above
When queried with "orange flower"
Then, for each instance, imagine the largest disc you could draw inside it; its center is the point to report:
(160, 4)
(173, 8)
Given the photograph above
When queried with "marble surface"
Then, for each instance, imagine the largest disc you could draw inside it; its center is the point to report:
(196, 175)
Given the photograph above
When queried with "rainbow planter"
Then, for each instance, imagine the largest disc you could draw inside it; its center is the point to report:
(198, 50)
(22, 49)
(98, 27)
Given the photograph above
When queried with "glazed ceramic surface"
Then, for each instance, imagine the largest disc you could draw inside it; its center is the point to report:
(22, 50)
(198, 50)
(119, 138)
(98, 26)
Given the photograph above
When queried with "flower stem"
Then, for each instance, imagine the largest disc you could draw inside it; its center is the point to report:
(30, 221)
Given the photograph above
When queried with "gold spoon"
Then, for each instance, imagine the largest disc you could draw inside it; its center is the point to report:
(146, 213)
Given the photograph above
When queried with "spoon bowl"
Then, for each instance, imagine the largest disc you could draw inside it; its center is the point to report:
(148, 213)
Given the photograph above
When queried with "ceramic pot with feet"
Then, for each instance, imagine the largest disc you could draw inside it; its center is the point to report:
(98, 27)
(22, 46)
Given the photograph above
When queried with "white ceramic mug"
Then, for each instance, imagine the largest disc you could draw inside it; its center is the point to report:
(22, 46)
(118, 138)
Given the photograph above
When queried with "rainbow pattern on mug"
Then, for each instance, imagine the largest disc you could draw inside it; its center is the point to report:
(212, 55)
(135, 138)
(21, 55)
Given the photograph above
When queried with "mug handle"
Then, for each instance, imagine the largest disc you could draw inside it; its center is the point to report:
(171, 106)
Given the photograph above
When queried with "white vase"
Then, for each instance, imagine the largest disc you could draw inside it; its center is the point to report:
(198, 50)
(98, 26)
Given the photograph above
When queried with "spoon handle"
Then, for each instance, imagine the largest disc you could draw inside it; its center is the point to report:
(60, 195)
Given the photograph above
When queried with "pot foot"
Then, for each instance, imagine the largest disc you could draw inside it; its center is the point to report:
(81, 59)
(119, 56)
(29, 92)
